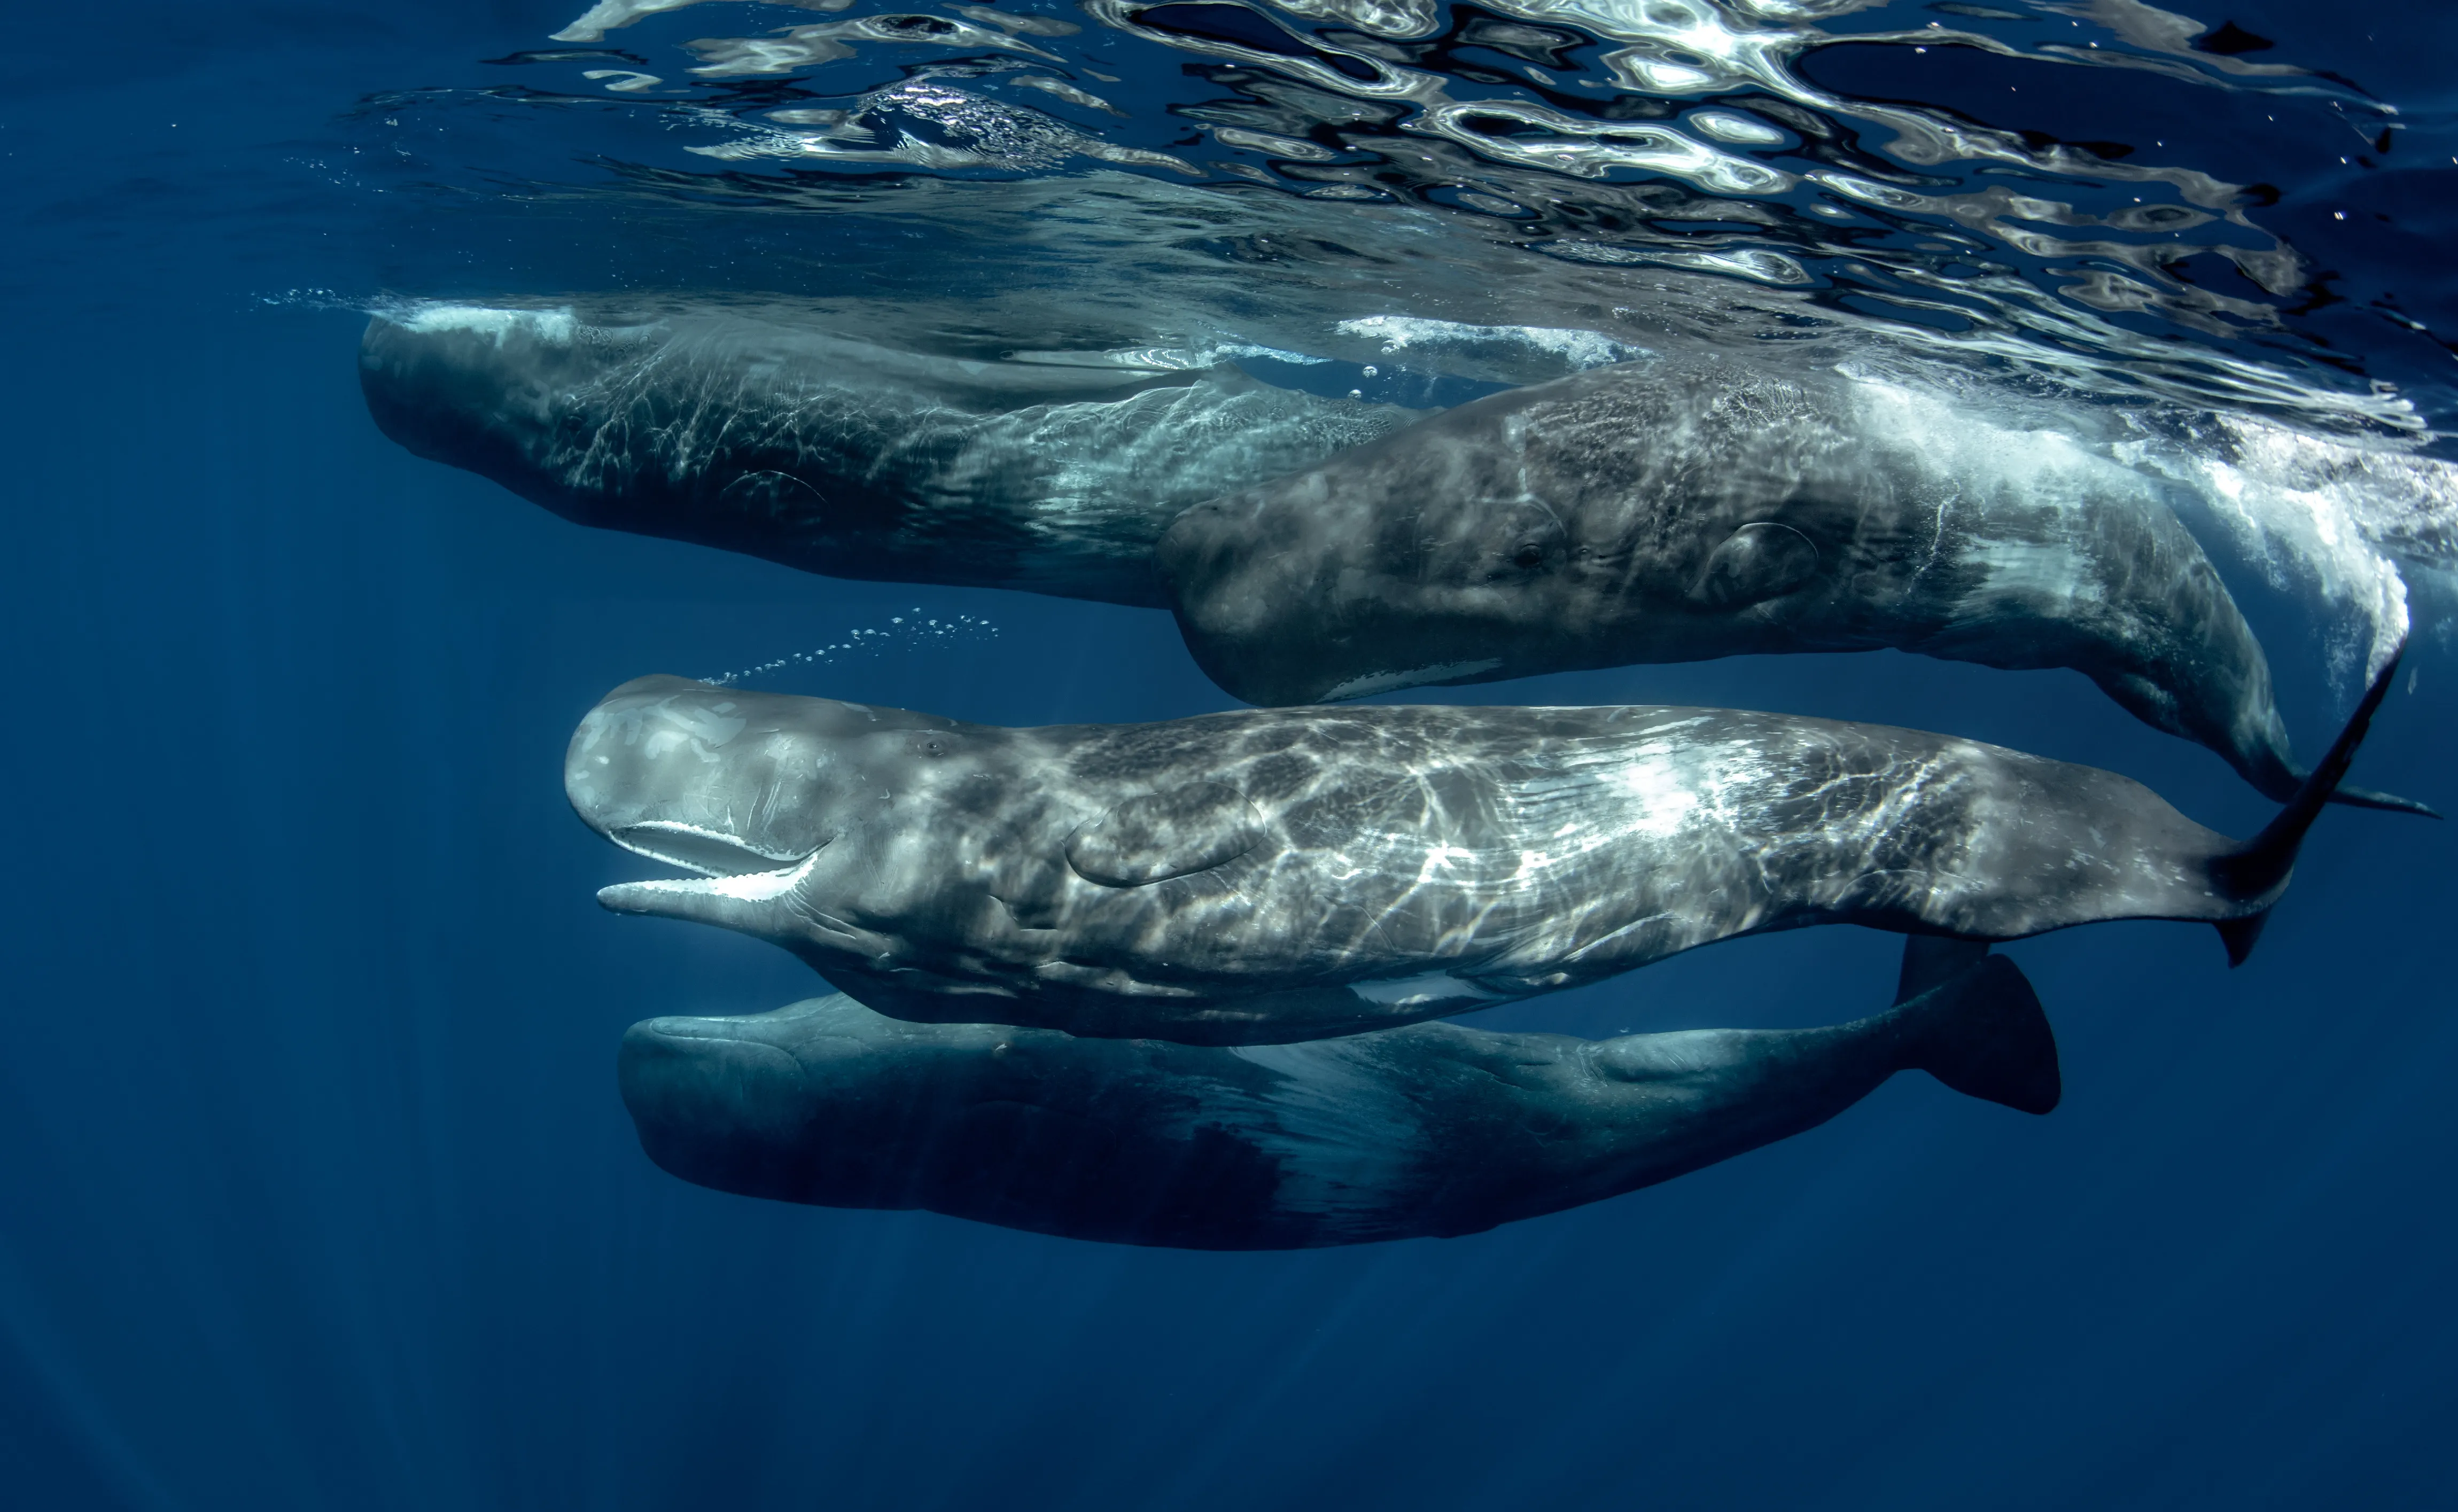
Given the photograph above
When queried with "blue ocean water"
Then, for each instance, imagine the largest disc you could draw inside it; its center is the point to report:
(315, 1190)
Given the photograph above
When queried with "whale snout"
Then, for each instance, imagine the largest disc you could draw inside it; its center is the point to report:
(719, 1102)
(482, 389)
(715, 780)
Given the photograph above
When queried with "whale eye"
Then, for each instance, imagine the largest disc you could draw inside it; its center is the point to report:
(933, 746)
(1512, 536)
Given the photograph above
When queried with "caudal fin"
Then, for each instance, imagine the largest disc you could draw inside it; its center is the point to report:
(1983, 1034)
(2259, 868)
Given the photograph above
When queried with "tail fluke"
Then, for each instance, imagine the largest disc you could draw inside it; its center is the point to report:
(1982, 1032)
(2261, 866)
(2239, 935)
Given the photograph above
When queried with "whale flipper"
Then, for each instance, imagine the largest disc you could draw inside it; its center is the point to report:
(1985, 1035)
(1176, 832)
(2388, 803)
(2259, 868)
(1759, 561)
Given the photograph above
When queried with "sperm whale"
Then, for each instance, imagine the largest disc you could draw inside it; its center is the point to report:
(1313, 549)
(1269, 876)
(1048, 471)
(1431, 1130)
(1681, 510)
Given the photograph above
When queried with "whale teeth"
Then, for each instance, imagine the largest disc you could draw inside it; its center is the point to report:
(742, 900)
(695, 848)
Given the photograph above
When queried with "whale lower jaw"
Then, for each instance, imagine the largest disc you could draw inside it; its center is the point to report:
(676, 897)
(733, 872)
(698, 848)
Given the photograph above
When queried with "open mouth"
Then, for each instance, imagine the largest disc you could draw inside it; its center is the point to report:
(704, 851)
(729, 869)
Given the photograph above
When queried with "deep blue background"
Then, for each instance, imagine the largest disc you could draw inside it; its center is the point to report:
(315, 1190)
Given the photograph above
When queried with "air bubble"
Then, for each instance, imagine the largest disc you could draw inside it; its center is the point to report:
(866, 638)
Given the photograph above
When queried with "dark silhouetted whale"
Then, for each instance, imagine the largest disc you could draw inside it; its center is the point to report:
(1429, 1131)
(1674, 511)
(1050, 471)
(1269, 876)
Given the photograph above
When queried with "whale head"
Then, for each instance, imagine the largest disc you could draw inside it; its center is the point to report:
(821, 1102)
(722, 1102)
(746, 789)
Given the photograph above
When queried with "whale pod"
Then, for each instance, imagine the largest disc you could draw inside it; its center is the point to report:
(1313, 549)
(1431, 1130)
(1049, 471)
(1270, 876)
(1676, 510)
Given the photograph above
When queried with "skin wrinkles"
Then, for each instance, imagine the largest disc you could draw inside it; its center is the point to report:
(1363, 846)
(1686, 508)
(840, 456)
(1678, 508)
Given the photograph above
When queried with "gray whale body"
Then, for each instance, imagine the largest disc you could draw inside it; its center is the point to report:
(1269, 876)
(1676, 511)
(1432, 1130)
(1052, 472)
(1313, 549)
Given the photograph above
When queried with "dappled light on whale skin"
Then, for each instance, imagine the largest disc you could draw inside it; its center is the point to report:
(1258, 579)
(1676, 510)
(1658, 508)
(1390, 346)
(1052, 473)
(1274, 876)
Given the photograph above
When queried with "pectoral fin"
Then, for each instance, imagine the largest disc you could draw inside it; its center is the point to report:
(1158, 835)
(1758, 562)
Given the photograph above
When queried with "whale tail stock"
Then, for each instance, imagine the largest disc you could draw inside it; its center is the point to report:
(2260, 866)
(1974, 1023)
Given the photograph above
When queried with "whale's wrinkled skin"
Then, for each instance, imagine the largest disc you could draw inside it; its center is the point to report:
(1052, 472)
(1313, 549)
(1269, 876)
(1431, 1130)
(1672, 510)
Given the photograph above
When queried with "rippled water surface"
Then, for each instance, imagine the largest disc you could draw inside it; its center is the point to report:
(2207, 245)
(318, 1194)
(2163, 211)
